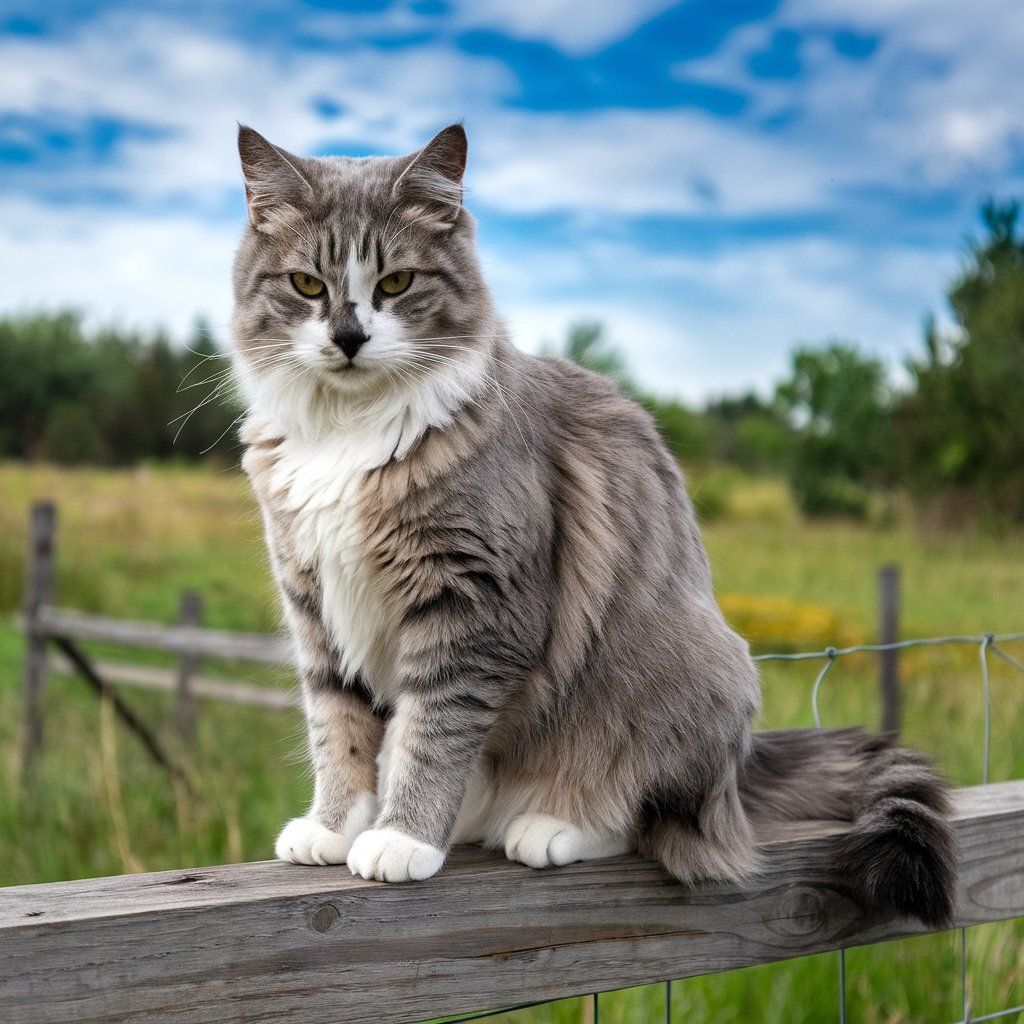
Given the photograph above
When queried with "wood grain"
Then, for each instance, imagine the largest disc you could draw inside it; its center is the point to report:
(271, 942)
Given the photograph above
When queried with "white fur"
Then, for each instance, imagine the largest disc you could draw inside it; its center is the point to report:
(391, 856)
(306, 841)
(540, 841)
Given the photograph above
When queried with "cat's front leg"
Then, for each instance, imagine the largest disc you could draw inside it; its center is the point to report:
(430, 747)
(344, 737)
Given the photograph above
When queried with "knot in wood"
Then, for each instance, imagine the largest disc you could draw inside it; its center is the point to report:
(804, 911)
(323, 918)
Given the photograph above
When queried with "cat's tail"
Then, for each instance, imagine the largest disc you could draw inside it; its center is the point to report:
(899, 854)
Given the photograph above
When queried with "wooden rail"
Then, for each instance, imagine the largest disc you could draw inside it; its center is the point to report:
(272, 942)
(176, 639)
(45, 625)
(148, 677)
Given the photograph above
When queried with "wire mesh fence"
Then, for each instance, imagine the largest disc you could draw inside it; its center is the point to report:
(987, 644)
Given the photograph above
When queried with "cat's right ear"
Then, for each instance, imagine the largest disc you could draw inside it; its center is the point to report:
(274, 182)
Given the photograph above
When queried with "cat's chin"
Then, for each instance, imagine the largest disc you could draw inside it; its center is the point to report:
(352, 378)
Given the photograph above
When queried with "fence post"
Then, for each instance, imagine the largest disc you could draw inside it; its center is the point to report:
(889, 633)
(190, 614)
(38, 593)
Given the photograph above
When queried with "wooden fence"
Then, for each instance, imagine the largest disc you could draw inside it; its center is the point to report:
(47, 627)
(272, 942)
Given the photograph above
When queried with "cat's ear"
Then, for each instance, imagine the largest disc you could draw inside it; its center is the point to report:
(274, 182)
(431, 182)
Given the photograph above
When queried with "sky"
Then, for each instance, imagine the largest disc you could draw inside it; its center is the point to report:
(715, 180)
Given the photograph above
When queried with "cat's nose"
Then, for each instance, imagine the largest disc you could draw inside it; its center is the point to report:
(350, 340)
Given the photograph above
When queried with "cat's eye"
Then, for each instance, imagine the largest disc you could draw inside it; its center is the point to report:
(308, 285)
(396, 283)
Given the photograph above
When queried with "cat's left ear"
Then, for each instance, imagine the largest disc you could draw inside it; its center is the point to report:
(274, 182)
(432, 181)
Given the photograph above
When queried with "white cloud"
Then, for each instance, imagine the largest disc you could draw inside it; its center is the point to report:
(153, 70)
(700, 324)
(131, 269)
(577, 27)
(940, 102)
(634, 162)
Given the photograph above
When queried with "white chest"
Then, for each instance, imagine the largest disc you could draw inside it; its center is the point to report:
(320, 488)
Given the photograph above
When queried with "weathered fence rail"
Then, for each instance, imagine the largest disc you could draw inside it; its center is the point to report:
(272, 942)
(175, 639)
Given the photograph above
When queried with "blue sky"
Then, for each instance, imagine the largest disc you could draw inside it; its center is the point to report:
(717, 181)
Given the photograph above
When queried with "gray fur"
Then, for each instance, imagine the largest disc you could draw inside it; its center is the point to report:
(552, 637)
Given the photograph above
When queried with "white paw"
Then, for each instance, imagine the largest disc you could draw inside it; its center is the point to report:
(391, 856)
(307, 841)
(540, 841)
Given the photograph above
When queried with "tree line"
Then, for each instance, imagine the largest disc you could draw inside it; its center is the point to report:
(951, 433)
(110, 397)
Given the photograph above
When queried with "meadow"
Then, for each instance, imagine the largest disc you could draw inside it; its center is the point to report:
(130, 541)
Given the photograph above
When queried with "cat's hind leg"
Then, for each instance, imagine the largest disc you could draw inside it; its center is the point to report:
(542, 840)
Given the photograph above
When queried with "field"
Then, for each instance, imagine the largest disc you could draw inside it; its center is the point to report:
(129, 542)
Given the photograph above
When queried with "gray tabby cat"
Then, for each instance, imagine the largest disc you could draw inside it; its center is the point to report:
(500, 601)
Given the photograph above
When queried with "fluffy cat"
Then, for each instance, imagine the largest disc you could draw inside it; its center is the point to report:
(501, 605)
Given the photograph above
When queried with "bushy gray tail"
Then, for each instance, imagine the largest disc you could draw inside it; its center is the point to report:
(899, 855)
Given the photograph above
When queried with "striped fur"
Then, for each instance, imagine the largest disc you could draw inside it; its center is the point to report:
(500, 600)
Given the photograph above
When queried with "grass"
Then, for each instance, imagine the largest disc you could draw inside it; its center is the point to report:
(129, 542)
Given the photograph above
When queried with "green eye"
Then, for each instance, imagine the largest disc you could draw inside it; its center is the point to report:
(396, 283)
(308, 285)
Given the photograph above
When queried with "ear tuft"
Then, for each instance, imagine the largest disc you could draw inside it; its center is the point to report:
(274, 182)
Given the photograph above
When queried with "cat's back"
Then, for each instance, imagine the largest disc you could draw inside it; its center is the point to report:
(591, 428)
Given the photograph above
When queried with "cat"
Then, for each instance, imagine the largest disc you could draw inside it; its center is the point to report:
(501, 605)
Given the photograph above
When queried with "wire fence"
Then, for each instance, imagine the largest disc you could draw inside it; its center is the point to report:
(987, 644)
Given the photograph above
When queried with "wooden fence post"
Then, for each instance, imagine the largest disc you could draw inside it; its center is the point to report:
(38, 593)
(191, 614)
(889, 633)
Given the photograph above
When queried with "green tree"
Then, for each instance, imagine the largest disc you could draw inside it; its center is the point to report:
(750, 433)
(962, 422)
(838, 403)
(109, 396)
(44, 361)
(588, 345)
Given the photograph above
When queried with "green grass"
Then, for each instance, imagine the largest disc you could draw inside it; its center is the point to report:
(129, 542)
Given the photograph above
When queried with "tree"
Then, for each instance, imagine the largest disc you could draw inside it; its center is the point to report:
(962, 422)
(587, 345)
(110, 396)
(838, 404)
(45, 362)
(750, 433)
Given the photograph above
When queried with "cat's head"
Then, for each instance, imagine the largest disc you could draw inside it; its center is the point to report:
(357, 279)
